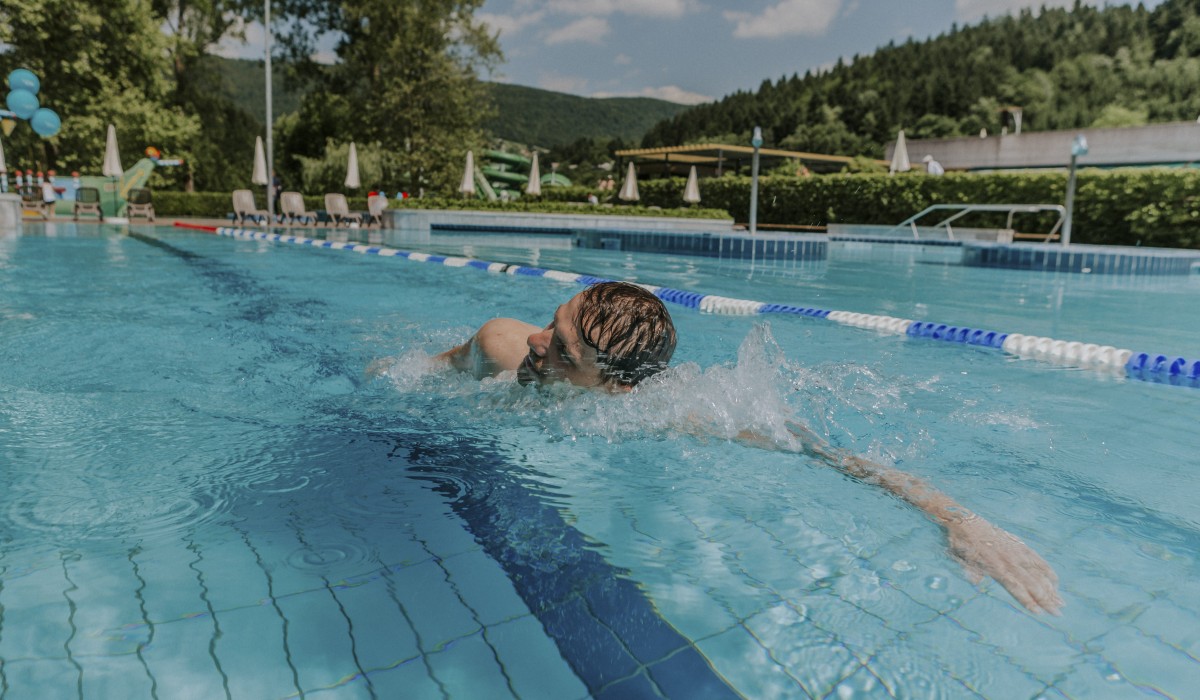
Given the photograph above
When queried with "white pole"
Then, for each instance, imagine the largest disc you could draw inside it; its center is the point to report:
(270, 118)
(1079, 147)
(757, 142)
(1066, 229)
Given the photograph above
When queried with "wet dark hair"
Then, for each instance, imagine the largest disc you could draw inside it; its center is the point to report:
(630, 330)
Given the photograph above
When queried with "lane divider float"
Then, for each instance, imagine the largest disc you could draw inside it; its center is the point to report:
(1143, 366)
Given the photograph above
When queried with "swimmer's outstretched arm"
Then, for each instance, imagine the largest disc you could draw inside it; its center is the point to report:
(982, 548)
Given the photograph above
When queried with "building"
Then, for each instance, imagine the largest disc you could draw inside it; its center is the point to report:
(1173, 144)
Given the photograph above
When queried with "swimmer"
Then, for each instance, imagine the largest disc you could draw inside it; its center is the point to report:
(613, 335)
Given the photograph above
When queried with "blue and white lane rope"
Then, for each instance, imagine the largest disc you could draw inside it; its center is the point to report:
(1144, 366)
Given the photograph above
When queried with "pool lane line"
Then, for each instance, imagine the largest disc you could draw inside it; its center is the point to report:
(1142, 366)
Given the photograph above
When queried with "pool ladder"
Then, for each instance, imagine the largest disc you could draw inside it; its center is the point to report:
(964, 209)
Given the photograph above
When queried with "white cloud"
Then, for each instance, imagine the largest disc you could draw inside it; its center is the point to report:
(562, 83)
(508, 25)
(653, 8)
(251, 48)
(973, 10)
(786, 18)
(670, 93)
(589, 29)
(622, 60)
(594, 8)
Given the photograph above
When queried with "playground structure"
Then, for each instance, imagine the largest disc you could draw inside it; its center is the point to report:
(114, 192)
(502, 175)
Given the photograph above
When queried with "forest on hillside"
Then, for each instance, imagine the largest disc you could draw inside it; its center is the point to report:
(1066, 68)
(521, 114)
(544, 118)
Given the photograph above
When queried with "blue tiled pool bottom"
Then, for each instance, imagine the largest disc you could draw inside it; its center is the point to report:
(294, 530)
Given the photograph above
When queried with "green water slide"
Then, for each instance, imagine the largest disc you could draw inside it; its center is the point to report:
(113, 193)
(512, 160)
(505, 176)
(483, 188)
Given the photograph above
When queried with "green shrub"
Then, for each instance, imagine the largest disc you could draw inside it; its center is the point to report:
(534, 206)
(1142, 206)
(1135, 206)
(218, 205)
(207, 205)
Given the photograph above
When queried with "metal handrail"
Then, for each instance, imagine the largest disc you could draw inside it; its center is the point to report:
(964, 209)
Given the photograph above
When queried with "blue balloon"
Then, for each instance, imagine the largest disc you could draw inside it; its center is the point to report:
(23, 103)
(45, 122)
(24, 79)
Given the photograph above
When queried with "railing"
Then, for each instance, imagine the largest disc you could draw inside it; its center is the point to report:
(964, 209)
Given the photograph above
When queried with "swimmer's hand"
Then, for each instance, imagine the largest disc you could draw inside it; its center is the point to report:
(985, 550)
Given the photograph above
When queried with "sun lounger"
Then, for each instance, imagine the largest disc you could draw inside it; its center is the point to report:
(376, 204)
(245, 208)
(87, 201)
(31, 199)
(139, 204)
(339, 210)
(291, 210)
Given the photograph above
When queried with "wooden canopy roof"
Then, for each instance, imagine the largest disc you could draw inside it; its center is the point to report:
(718, 158)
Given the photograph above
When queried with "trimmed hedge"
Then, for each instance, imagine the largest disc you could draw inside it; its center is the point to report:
(533, 205)
(217, 205)
(1154, 207)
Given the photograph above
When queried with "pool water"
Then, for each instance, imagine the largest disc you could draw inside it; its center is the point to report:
(205, 496)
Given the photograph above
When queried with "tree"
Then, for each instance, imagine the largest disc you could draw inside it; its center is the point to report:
(192, 28)
(1062, 65)
(1118, 115)
(100, 62)
(407, 81)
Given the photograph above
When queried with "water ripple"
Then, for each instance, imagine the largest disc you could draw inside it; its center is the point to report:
(90, 508)
(327, 558)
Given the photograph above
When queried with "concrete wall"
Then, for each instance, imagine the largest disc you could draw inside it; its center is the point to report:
(1176, 142)
(925, 233)
(10, 213)
(415, 225)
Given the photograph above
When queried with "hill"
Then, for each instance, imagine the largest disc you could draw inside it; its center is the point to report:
(544, 118)
(244, 83)
(1066, 68)
(523, 114)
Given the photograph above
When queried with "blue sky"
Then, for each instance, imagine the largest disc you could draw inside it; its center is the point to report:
(693, 51)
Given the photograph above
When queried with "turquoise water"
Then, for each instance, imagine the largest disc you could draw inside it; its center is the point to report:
(206, 497)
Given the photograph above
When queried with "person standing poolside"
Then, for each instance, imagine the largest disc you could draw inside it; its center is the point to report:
(615, 335)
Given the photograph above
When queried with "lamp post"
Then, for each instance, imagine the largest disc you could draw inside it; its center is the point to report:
(757, 142)
(1079, 147)
(270, 141)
